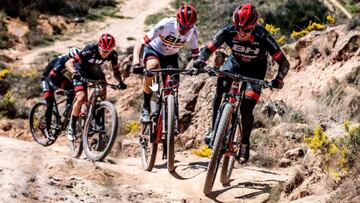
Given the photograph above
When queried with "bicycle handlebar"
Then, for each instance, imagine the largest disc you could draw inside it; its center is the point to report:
(99, 82)
(238, 77)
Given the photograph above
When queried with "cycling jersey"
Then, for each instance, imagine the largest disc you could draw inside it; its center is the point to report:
(248, 52)
(89, 63)
(166, 39)
(90, 56)
(56, 66)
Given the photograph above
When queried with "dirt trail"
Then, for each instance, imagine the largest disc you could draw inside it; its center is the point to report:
(134, 11)
(29, 172)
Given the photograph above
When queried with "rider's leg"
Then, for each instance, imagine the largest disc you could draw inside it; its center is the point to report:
(50, 99)
(80, 99)
(151, 63)
(66, 84)
(247, 119)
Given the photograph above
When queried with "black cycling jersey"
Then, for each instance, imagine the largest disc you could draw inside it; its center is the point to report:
(248, 52)
(57, 65)
(90, 56)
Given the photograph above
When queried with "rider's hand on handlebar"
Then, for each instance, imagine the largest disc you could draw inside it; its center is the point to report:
(211, 72)
(138, 69)
(121, 85)
(199, 64)
(193, 71)
(76, 76)
(277, 83)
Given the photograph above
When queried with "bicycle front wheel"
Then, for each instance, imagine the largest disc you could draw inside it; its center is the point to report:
(170, 120)
(76, 145)
(100, 131)
(37, 124)
(148, 149)
(217, 148)
(229, 162)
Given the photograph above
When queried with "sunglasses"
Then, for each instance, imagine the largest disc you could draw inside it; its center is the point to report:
(105, 51)
(184, 27)
(245, 30)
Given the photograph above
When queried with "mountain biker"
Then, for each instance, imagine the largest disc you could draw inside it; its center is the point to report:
(53, 78)
(250, 44)
(161, 46)
(87, 64)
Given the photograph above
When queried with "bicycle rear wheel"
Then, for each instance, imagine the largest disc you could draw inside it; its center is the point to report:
(217, 148)
(37, 123)
(170, 119)
(98, 139)
(148, 149)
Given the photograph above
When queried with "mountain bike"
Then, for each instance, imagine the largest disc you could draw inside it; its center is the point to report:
(224, 142)
(59, 123)
(101, 122)
(163, 126)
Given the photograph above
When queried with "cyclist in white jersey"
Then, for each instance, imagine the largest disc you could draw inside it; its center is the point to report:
(161, 46)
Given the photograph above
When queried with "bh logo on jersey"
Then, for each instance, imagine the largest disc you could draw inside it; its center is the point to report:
(245, 50)
(174, 40)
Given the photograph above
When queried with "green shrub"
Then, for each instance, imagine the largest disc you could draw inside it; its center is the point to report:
(7, 106)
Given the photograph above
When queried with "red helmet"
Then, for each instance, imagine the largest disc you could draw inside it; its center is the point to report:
(186, 16)
(245, 16)
(106, 42)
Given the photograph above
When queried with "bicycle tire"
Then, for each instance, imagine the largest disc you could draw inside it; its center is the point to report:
(170, 100)
(33, 126)
(148, 149)
(217, 149)
(75, 150)
(112, 137)
(228, 164)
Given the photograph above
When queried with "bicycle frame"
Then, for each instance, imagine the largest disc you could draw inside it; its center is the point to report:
(66, 117)
(169, 87)
(234, 97)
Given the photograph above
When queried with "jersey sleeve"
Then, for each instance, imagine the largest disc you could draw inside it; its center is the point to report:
(114, 61)
(276, 53)
(194, 44)
(218, 40)
(273, 48)
(84, 54)
(154, 32)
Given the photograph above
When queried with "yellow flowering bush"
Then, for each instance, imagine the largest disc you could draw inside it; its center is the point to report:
(337, 153)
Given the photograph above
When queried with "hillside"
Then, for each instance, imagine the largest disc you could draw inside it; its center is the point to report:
(321, 99)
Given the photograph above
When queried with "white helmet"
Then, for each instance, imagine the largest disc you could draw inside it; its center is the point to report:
(73, 51)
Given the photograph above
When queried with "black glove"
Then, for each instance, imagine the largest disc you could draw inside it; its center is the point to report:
(137, 69)
(199, 64)
(277, 83)
(193, 71)
(211, 72)
(76, 76)
(122, 85)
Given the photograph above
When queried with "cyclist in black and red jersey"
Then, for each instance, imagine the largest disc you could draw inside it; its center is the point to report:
(53, 78)
(162, 45)
(87, 64)
(250, 44)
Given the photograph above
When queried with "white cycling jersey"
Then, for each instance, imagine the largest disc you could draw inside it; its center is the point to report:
(166, 39)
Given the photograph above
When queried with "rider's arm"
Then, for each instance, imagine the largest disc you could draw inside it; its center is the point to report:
(276, 53)
(218, 40)
(151, 35)
(70, 65)
(194, 44)
(115, 66)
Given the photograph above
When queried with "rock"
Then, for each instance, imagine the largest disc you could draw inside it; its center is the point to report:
(284, 162)
(189, 144)
(295, 153)
(290, 135)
